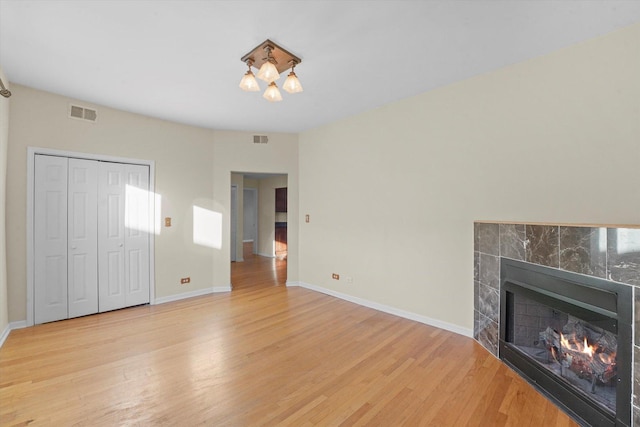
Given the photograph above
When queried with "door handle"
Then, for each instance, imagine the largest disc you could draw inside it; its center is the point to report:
(74, 247)
(121, 244)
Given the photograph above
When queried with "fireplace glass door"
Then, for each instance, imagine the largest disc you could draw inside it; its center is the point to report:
(571, 348)
(570, 336)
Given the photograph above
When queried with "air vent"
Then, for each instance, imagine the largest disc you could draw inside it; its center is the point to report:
(260, 139)
(83, 113)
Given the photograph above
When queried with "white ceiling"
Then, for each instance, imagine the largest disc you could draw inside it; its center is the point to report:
(180, 60)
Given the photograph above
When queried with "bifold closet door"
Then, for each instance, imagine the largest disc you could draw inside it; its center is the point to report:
(82, 214)
(50, 242)
(123, 230)
(66, 240)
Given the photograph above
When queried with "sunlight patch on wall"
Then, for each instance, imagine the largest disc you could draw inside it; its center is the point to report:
(207, 228)
(138, 214)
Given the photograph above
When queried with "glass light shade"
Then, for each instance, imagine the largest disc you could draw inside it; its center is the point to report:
(272, 94)
(292, 84)
(249, 82)
(268, 72)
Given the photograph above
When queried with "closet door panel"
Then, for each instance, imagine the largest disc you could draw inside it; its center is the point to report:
(83, 237)
(137, 228)
(111, 239)
(50, 243)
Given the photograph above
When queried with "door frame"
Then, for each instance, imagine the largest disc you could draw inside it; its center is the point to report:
(31, 157)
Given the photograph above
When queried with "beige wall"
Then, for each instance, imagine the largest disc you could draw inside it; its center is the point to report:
(236, 152)
(393, 192)
(193, 168)
(183, 158)
(4, 140)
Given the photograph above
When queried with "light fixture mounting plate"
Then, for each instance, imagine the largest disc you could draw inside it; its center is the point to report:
(284, 58)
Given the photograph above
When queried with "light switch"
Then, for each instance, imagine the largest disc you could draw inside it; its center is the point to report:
(306, 218)
(167, 222)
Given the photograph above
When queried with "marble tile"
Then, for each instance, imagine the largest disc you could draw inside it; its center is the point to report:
(490, 270)
(476, 330)
(636, 416)
(512, 238)
(489, 302)
(476, 266)
(636, 375)
(584, 250)
(476, 295)
(623, 254)
(486, 238)
(542, 245)
(636, 309)
(488, 334)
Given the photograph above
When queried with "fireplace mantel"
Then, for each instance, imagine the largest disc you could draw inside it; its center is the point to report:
(606, 251)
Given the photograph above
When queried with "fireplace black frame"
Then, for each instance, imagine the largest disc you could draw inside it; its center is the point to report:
(603, 303)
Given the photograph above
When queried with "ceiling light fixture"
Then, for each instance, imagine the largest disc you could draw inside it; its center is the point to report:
(249, 82)
(270, 60)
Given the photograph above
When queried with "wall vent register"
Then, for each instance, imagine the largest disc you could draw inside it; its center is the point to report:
(83, 113)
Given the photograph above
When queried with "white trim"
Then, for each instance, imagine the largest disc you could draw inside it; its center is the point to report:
(184, 295)
(10, 327)
(20, 324)
(388, 309)
(31, 153)
(191, 294)
(248, 241)
(5, 334)
(266, 256)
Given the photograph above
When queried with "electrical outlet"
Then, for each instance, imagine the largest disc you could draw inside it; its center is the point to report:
(185, 280)
(349, 279)
(167, 222)
(335, 276)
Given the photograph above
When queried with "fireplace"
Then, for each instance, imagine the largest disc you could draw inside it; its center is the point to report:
(570, 336)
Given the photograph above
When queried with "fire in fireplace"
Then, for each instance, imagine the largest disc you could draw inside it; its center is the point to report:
(570, 336)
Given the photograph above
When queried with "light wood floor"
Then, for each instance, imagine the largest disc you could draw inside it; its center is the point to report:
(263, 354)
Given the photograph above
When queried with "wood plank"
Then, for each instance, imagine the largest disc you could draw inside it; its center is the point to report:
(263, 354)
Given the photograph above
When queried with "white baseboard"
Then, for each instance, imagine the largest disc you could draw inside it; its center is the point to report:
(10, 327)
(388, 309)
(18, 325)
(191, 294)
(5, 334)
(266, 256)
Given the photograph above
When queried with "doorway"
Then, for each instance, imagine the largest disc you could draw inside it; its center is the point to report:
(256, 223)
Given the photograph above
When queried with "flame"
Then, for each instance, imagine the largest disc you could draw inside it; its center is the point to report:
(576, 345)
(587, 349)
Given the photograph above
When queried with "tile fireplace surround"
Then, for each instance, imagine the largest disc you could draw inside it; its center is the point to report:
(608, 252)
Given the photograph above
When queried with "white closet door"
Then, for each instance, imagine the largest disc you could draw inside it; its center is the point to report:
(124, 223)
(50, 244)
(137, 222)
(83, 237)
(111, 204)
